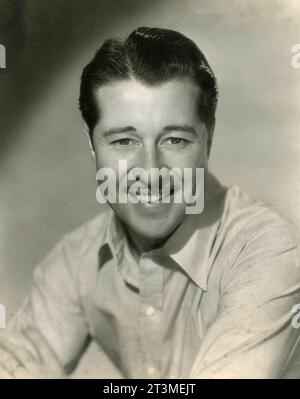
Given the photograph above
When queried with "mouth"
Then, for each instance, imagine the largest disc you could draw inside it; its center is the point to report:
(152, 199)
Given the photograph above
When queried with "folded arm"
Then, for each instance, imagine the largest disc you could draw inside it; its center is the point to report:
(48, 334)
(252, 336)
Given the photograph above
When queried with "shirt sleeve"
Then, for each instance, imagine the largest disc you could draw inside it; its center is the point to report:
(252, 336)
(54, 308)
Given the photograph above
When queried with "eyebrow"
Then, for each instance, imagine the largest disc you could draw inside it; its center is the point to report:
(169, 128)
(118, 130)
(180, 128)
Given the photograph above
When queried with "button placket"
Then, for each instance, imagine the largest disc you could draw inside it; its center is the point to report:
(151, 296)
(149, 311)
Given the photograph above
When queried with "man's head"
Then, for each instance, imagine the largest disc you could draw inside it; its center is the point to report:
(149, 100)
(152, 56)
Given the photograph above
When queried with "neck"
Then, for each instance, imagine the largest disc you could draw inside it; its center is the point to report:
(141, 244)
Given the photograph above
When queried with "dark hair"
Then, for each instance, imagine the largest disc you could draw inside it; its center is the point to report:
(152, 55)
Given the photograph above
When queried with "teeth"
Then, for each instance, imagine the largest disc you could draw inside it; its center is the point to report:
(148, 198)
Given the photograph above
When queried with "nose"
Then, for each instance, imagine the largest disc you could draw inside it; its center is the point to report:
(150, 158)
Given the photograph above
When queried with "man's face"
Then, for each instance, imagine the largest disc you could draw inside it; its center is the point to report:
(150, 127)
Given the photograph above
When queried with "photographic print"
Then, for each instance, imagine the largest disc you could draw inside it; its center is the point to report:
(149, 190)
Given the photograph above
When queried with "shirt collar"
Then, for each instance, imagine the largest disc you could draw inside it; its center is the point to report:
(115, 235)
(189, 246)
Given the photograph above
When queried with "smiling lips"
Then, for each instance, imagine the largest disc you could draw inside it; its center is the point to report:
(151, 199)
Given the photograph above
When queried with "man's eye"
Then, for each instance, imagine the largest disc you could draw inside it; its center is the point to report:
(176, 141)
(122, 142)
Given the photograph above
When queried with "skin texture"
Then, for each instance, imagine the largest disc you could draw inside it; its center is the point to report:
(160, 127)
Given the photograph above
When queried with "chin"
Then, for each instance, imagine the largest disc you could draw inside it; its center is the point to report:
(154, 232)
(152, 226)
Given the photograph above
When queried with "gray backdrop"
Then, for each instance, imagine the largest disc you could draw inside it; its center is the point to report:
(47, 177)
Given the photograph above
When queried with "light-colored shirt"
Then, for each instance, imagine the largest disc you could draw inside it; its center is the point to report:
(215, 301)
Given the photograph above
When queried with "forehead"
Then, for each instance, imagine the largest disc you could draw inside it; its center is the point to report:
(132, 99)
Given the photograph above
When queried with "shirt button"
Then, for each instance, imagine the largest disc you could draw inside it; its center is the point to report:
(151, 371)
(150, 311)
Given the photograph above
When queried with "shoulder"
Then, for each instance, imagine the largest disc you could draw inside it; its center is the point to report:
(77, 249)
(92, 232)
(246, 218)
(258, 239)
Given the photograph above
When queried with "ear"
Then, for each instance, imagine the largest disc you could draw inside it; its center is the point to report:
(87, 133)
(210, 137)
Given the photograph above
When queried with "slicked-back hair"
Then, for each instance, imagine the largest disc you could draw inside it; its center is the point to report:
(153, 56)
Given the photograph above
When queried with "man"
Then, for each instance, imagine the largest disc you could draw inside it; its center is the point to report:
(164, 293)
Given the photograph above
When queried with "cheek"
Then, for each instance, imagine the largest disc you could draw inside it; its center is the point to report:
(104, 157)
(108, 156)
(193, 158)
(198, 157)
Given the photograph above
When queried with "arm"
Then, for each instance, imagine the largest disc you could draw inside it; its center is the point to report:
(50, 325)
(252, 336)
